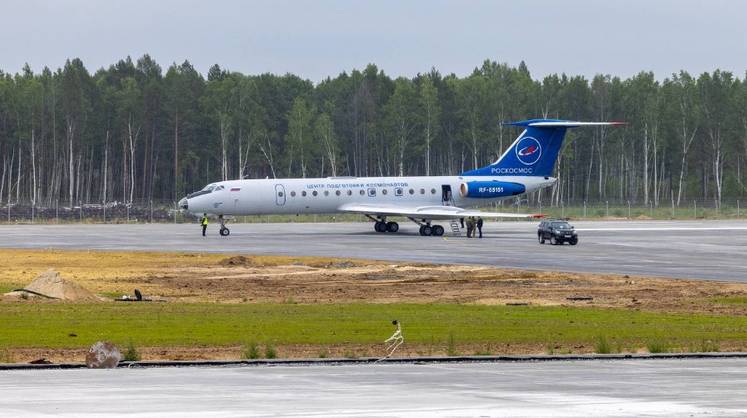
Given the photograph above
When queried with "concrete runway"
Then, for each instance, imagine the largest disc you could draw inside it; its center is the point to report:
(684, 249)
(711, 387)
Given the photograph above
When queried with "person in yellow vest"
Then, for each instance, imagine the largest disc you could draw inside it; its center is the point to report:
(204, 223)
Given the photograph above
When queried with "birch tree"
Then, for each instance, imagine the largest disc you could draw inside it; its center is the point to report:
(683, 100)
(400, 116)
(299, 134)
(429, 113)
(717, 93)
(325, 131)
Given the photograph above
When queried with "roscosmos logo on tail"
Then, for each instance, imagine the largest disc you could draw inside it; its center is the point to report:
(528, 150)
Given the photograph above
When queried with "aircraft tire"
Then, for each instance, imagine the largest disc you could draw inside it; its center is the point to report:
(224, 232)
(438, 230)
(392, 227)
(426, 230)
(380, 227)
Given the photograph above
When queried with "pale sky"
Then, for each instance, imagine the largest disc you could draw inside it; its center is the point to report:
(316, 39)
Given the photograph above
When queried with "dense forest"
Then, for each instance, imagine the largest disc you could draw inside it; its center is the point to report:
(133, 133)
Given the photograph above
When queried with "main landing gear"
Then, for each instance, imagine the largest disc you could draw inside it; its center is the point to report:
(224, 232)
(381, 225)
(427, 230)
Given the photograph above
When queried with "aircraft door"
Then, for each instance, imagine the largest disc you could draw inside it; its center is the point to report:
(446, 197)
(279, 195)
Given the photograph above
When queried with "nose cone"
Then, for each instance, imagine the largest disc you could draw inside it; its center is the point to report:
(184, 204)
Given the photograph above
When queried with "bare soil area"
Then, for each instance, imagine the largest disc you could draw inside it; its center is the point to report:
(67, 355)
(249, 279)
(390, 283)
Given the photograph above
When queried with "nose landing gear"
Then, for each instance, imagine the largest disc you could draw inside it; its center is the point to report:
(224, 232)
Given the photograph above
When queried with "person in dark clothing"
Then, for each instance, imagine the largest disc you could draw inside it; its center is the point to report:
(461, 221)
(204, 223)
(479, 226)
(470, 227)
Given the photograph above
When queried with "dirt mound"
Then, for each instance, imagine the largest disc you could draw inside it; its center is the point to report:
(52, 285)
(237, 260)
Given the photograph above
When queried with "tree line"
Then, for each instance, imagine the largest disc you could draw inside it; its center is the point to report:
(132, 133)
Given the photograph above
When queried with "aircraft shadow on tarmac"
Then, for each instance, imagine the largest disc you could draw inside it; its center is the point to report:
(414, 233)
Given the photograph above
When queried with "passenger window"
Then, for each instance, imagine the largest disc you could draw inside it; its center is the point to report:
(422, 191)
(363, 192)
(433, 191)
(337, 192)
(350, 192)
(280, 194)
(383, 191)
(398, 191)
(314, 193)
(293, 194)
(411, 191)
(303, 193)
(326, 192)
(371, 192)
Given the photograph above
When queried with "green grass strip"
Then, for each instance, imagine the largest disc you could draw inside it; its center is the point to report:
(155, 324)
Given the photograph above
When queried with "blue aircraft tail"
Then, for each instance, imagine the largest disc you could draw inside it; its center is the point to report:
(535, 151)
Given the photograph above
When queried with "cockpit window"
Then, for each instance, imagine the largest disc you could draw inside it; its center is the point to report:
(213, 188)
(207, 189)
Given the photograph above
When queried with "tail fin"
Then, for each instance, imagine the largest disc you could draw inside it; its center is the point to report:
(535, 151)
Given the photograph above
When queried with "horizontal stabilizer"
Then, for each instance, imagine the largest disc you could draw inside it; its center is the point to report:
(547, 123)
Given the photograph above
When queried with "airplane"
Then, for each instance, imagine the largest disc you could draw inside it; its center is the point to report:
(526, 166)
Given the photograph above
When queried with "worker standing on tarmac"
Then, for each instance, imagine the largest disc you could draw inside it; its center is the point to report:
(470, 227)
(479, 226)
(204, 223)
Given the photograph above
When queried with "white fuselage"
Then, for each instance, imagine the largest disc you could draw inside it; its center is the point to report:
(327, 195)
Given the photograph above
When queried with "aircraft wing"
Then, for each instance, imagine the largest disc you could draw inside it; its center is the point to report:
(427, 212)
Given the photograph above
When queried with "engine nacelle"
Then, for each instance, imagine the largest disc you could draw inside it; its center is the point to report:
(490, 189)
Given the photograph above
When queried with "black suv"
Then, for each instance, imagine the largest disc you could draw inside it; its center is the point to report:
(557, 232)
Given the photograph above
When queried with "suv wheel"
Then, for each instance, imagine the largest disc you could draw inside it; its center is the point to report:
(553, 240)
(540, 238)
(573, 241)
